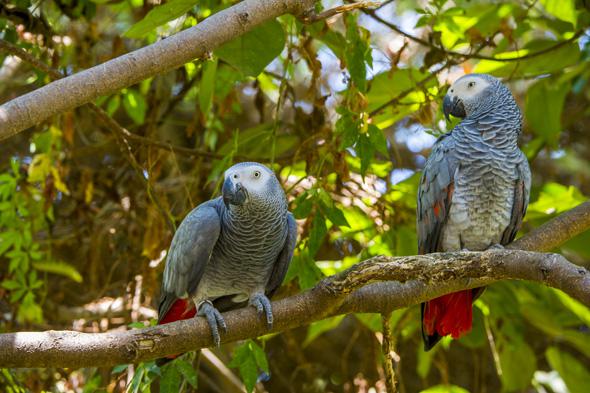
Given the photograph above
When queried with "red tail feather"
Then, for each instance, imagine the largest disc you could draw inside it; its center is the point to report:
(449, 314)
(180, 309)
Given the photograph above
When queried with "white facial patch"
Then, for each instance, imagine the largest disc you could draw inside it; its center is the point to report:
(468, 87)
(252, 177)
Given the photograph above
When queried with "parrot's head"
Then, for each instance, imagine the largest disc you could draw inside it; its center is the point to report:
(472, 93)
(250, 183)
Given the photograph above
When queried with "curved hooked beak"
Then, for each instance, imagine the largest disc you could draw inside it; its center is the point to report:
(452, 105)
(234, 194)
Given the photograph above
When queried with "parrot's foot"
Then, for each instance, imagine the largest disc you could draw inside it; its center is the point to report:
(214, 319)
(496, 246)
(262, 304)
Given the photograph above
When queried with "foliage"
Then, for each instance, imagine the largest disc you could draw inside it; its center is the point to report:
(345, 110)
(250, 359)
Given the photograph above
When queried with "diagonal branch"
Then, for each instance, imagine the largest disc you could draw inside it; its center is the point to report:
(311, 16)
(164, 55)
(476, 54)
(380, 284)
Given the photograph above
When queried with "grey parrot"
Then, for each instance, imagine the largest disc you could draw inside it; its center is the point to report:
(230, 250)
(474, 190)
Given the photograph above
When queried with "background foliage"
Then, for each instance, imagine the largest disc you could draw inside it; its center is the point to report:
(345, 110)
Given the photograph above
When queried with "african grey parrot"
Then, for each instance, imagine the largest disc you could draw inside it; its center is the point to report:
(230, 250)
(474, 190)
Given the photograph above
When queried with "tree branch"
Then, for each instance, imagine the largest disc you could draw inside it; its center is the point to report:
(364, 287)
(312, 17)
(476, 54)
(113, 75)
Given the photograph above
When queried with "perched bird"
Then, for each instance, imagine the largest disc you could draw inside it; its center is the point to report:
(474, 190)
(230, 250)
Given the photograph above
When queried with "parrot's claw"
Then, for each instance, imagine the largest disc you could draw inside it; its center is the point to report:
(262, 304)
(214, 319)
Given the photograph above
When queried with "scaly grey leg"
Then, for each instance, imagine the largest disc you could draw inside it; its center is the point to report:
(262, 304)
(214, 319)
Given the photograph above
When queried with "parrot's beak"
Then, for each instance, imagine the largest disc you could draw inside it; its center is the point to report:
(452, 105)
(234, 194)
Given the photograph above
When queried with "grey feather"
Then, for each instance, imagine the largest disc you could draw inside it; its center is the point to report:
(475, 186)
(231, 250)
(282, 264)
(189, 253)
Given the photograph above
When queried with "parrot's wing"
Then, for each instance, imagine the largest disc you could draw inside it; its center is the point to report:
(281, 265)
(189, 253)
(435, 193)
(522, 188)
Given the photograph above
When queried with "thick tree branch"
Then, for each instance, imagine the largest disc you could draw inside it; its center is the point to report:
(415, 279)
(557, 231)
(172, 52)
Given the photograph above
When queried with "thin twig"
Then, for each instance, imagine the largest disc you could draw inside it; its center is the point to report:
(311, 16)
(474, 55)
(388, 353)
(395, 100)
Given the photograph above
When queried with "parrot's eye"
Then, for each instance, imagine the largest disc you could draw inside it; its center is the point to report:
(256, 174)
(235, 175)
(471, 84)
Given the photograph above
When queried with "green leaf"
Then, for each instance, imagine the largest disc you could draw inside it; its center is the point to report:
(187, 370)
(424, 362)
(170, 382)
(371, 321)
(366, 152)
(119, 368)
(476, 338)
(158, 16)
(336, 216)
(7, 239)
(552, 61)
(92, 385)
(207, 87)
(255, 142)
(378, 139)
(253, 51)
(544, 104)
(249, 358)
(59, 267)
(555, 198)
(388, 86)
(316, 236)
(575, 375)
(260, 356)
(304, 268)
(347, 125)
(11, 285)
(318, 328)
(445, 389)
(135, 105)
(29, 310)
(562, 9)
(113, 105)
(580, 310)
(518, 365)
(303, 205)
(357, 51)
(536, 313)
